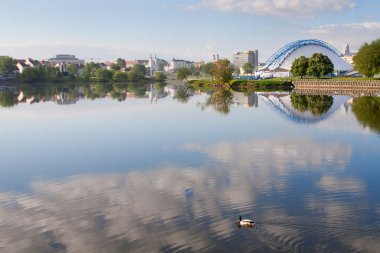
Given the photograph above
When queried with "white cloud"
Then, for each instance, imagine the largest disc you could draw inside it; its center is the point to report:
(275, 7)
(353, 33)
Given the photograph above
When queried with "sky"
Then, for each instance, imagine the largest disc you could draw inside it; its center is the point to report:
(183, 29)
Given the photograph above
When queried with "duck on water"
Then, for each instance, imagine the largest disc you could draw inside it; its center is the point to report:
(244, 222)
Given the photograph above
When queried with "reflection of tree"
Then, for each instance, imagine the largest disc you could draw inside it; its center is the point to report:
(220, 99)
(7, 98)
(119, 92)
(160, 88)
(98, 91)
(317, 105)
(367, 111)
(139, 90)
(183, 94)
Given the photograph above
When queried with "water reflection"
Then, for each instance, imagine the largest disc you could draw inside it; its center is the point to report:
(183, 93)
(316, 104)
(220, 99)
(367, 112)
(178, 208)
(307, 192)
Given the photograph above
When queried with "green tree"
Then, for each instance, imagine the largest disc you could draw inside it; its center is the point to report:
(183, 73)
(222, 71)
(300, 66)
(7, 65)
(89, 69)
(133, 76)
(121, 63)
(30, 75)
(115, 66)
(139, 69)
(119, 76)
(159, 76)
(208, 68)
(73, 71)
(104, 75)
(319, 65)
(50, 73)
(367, 60)
(248, 68)
(367, 112)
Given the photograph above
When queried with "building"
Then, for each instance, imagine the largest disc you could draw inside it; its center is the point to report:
(21, 65)
(280, 63)
(27, 63)
(64, 59)
(249, 56)
(176, 64)
(32, 63)
(348, 56)
(129, 64)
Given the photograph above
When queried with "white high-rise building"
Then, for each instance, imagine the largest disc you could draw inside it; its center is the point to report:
(248, 56)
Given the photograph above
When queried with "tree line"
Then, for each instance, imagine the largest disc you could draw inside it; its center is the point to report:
(91, 72)
(220, 71)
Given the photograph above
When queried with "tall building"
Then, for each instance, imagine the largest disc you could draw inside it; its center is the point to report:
(348, 56)
(249, 56)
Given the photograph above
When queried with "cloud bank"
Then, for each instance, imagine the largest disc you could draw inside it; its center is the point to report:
(353, 33)
(274, 7)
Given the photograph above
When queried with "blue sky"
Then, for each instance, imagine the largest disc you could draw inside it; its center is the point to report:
(188, 29)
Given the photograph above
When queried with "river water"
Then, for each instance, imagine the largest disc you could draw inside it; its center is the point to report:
(111, 169)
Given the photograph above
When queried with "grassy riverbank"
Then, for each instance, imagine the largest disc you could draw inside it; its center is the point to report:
(267, 84)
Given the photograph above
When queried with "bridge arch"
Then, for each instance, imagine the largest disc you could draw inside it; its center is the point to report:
(284, 57)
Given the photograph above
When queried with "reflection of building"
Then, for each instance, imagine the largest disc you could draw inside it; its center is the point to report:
(240, 58)
(247, 101)
(253, 100)
(64, 99)
(281, 103)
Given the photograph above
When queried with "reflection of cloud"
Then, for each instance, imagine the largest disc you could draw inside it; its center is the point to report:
(339, 213)
(172, 208)
(365, 244)
(333, 184)
(279, 154)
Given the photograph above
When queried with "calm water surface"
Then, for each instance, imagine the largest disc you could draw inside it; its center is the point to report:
(96, 169)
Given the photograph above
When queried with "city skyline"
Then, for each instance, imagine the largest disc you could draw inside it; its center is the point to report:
(189, 29)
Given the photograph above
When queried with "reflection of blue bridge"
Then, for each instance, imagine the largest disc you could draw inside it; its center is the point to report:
(287, 111)
(279, 57)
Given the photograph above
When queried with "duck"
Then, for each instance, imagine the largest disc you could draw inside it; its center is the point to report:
(244, 222)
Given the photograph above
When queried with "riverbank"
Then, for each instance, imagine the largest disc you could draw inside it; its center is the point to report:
(245, 84)
(337, 83)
